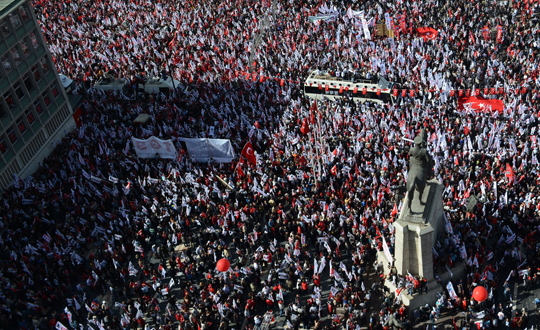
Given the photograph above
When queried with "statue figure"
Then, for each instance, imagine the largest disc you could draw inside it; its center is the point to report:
(420, 166)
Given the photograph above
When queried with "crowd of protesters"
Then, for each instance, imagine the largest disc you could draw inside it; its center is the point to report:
(310, 212)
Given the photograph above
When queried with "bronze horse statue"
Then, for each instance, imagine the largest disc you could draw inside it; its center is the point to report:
(420, 167)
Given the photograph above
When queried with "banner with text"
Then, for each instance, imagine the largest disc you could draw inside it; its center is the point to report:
(154, 148)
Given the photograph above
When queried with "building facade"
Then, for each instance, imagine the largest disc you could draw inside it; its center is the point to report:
(34, 108)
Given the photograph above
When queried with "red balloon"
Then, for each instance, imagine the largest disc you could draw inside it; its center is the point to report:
(223, 265)
(480, 293)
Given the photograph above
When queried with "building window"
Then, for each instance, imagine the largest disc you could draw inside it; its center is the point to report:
(22, 126)
(34, 40)
(9, 100)
(46, 98)
(44, 65)
(3, 111)
(6, 31)
(30, 116)
(18, 90)
(55, 92)
(35, 71)
(38, 106)
(3, 146)
(24, 13)
(28, 82)
(15, 20)
(25, 48)
(16, 56)
(12, 136)
(7, 63)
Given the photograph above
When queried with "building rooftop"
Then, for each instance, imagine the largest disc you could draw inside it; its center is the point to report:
(5, 4)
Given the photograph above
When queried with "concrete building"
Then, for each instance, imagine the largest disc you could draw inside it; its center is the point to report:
(34, 107)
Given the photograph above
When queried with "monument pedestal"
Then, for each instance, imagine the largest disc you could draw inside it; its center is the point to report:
(415, 235)
(416, 231)
(416, 255)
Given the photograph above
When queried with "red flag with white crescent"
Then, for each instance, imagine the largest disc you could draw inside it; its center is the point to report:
(249, 153)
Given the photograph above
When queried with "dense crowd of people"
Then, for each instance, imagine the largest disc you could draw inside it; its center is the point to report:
(302, 225)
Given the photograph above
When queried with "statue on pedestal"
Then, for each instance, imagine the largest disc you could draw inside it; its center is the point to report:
(420, 167)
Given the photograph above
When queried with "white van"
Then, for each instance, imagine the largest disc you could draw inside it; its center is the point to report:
(159, 85)
(68, 83)
(111, 84)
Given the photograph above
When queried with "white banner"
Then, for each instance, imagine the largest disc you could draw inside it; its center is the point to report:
(204, 150)
(451, 291)
(387, 251)
(154, 148)
(365, 26)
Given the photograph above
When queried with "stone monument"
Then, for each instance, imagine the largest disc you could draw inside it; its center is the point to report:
(420, 220)
(421, 216)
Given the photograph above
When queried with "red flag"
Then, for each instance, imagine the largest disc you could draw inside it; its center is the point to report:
(480, 104)
(334, 170)
(305, 127)
(248, 153)
(485, 32)
(364, 90)
(411, 93)
(313, 109)
(510, 173)
(499, 34)
(378, 91)
(282, 82)
(355, 90)
(239, 167)
(395, 92)
(403, 92)
(452, 93)
(427, 33)
(394, 211)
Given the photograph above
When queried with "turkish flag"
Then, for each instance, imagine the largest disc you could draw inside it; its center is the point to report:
(452, 93)
(326, 88)
(395, 92)
(341, 89)
(282, 82)
(249, 154)
(427, 33)
(378, 91)
(460, 93)
(364, 91)
(501, 90)
(480, 104)
(403, 93)
(476, 92)
(355, 90)
(411, 93)
(334, 170)
(486, 91)
(493, 91)
(305, 127)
